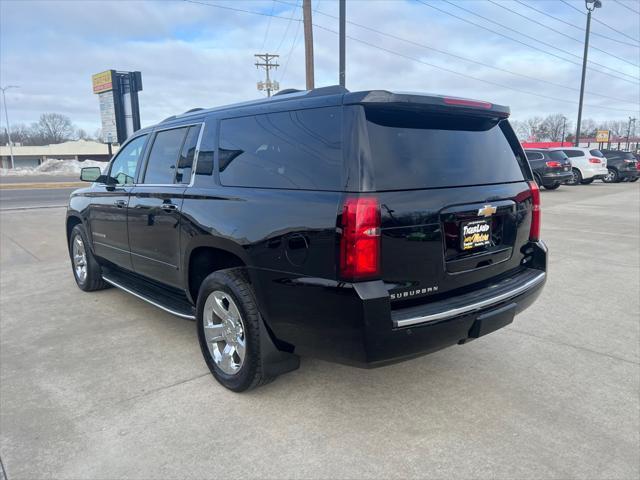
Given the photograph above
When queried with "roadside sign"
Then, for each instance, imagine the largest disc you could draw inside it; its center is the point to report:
(102, 82)
(602, 136)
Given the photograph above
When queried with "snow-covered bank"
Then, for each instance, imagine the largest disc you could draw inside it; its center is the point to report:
(53, 167)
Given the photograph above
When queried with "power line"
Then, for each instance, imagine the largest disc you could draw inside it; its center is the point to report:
(266, 33)
(425, 63)
(601, 22)
(562, 33)
(576, 26)
(467, 75)
(530, 37)
(627, 7)
(466, 59)
(293, 46)
(293, 12)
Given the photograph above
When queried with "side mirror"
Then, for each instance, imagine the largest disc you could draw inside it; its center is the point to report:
(90, 174)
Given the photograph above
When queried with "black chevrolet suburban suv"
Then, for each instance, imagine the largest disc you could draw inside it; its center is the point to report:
(551, 168)
(360, 227)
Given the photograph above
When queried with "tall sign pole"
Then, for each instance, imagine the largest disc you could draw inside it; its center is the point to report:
(6, 116)
(308, 44)
(594, 4)
(342, 35)
(267, 63)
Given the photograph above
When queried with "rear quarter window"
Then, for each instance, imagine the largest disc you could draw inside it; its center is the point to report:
(596, 153)
(299, 150)
(413, 150)
(573, 153)
(557, 155)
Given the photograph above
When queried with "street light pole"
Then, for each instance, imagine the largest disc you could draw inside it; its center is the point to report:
(596, 4)
(6, 116)
(564, 123)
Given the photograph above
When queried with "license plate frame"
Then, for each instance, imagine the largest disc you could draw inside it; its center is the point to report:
(475, 234)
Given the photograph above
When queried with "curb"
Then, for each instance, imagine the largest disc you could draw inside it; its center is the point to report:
(49, 185)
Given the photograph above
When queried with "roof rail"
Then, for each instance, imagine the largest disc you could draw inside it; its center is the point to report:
(193, 110)
(287, 91)
(168, 118)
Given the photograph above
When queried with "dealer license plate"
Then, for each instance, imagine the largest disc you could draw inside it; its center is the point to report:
(475, 233)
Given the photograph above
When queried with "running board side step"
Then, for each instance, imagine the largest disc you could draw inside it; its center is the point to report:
(157, 296)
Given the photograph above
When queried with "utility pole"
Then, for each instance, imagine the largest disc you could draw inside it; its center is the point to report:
(267, 64)
(631, 120)
(564, 123)
(342, 35)
(308, 44)
(6, 115)
(596, 4)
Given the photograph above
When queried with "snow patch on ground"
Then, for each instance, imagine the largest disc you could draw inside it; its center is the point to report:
(52, 166)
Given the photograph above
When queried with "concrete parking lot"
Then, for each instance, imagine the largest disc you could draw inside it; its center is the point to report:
(103, 385)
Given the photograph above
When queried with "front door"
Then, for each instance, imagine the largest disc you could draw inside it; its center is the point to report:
(108, 211)
(156, 202)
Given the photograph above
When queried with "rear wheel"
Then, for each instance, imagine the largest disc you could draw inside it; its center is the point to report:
(229, 330)
(576, 177)
(553, 186)
(634, 179)
(611, 177)
(587, 181)
(537, 179)
(86, 270)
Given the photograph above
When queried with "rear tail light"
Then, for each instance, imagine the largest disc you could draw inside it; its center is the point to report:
(360, 241)
(594, 160)
(534, 232)
(554, 164)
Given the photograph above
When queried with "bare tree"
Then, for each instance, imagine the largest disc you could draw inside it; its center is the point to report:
(588, 128)
(53, 128)
(553, 126)
(535, 129)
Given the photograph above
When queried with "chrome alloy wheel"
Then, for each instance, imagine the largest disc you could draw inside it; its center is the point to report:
(610, 176)
(79, 259)
(224, 332)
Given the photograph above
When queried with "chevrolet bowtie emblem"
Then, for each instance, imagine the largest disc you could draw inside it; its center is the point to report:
(487, 211)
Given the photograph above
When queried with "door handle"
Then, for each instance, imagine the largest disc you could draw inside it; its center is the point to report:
(120, 203)
(169, 207)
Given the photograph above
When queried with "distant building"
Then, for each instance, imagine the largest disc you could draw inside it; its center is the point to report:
(24, 156)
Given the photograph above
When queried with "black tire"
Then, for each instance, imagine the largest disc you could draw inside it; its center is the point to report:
(577, 177)
(588, 181)
(553, 186)
(93, 279)
(537, 178)
(613, 176)
(633, 179)
(233, 282)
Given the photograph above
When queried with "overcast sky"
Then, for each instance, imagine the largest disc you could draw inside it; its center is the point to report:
(195, 55)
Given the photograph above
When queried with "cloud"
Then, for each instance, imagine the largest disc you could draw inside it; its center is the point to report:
(196, 55)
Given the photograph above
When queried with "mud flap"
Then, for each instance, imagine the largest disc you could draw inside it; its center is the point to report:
(275, 362)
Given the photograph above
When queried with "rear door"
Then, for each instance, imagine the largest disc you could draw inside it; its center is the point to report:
(454, 195)
(156, 203)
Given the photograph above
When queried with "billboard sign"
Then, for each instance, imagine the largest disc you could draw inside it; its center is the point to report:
(103, 81)
(602, 136)
(119, 108)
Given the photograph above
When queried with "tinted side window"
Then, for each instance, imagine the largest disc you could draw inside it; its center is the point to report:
(161, 166)
(296, 150)
(534, 155)
(573, 153)
(596, 153)
(123, 167)
(185, 161)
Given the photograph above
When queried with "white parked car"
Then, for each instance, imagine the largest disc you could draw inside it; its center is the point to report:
(588, 164)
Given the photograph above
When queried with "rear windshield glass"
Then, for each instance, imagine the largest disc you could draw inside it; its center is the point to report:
(412, 150)
(557, 155)
(596, 153)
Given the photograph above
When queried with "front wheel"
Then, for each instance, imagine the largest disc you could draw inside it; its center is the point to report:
(86, 269)
(553, 186)
(611, 176)
(229, 330)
